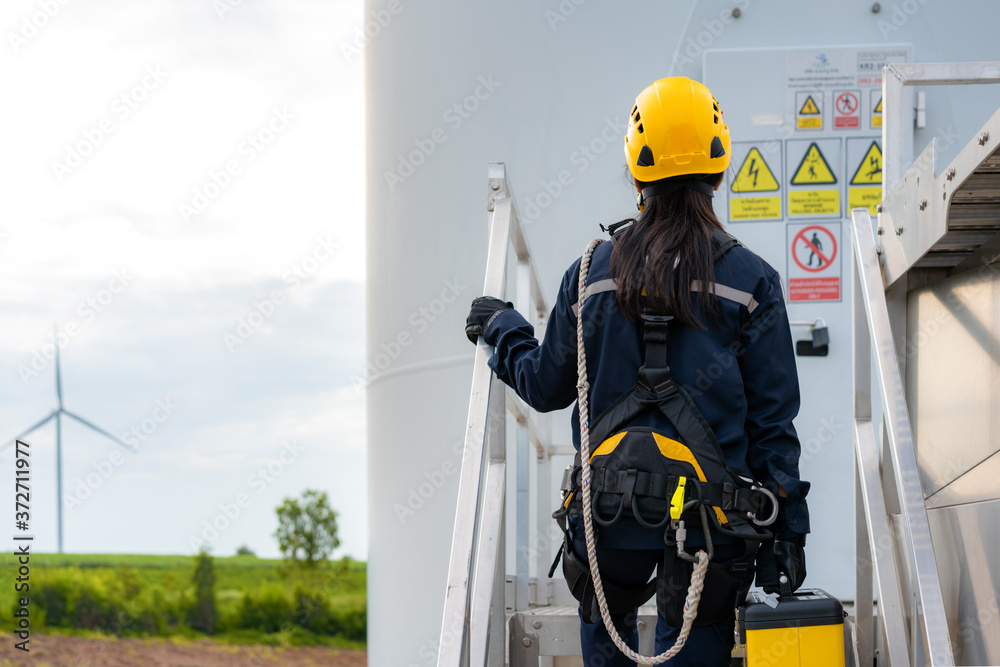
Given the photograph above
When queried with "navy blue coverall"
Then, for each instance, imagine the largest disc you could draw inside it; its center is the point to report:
(741, 375)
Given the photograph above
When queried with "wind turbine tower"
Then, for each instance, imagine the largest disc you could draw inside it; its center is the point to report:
(57, 416)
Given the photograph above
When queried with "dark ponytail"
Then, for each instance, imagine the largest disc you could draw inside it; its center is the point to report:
(665, 250)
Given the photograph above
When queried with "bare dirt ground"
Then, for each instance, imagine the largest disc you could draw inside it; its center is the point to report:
(61, 651)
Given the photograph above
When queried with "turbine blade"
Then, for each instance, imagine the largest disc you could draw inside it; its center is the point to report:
(58, 370)
(99, 430)
(36, 426)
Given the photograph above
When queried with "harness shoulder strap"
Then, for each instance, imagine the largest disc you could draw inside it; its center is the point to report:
(722, 243)
(655, 326)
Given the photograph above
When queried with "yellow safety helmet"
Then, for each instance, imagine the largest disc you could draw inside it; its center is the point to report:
(675, 129)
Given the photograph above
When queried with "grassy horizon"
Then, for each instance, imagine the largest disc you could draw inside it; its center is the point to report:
(259, 599)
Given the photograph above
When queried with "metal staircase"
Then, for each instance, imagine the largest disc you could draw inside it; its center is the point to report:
(916, 545)
(932, 231)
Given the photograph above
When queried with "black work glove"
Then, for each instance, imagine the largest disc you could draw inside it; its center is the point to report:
(777, 557)
(483, 309)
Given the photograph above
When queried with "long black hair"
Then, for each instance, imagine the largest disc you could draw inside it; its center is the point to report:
(666, 249)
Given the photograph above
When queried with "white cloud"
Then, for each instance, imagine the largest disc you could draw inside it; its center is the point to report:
(162, 334)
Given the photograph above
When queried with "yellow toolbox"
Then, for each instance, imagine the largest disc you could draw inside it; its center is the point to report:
(804, 629)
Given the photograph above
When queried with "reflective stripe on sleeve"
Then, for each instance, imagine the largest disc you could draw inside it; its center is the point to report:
(729, 293)
(606, 285)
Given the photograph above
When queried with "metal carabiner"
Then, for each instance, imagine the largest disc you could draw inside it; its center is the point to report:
(774, 507)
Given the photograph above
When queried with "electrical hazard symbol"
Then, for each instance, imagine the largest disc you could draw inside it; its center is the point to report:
(869, 172)
(814, 265)
(814, 169)
(809, 110)
(756, 187)
(755, 175)
(876, 101)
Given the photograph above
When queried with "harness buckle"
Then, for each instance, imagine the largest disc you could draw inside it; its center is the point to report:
(727, 496)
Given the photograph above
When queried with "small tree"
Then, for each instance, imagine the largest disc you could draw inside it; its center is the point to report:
(307, 529)
(245, 551)
(204, 613)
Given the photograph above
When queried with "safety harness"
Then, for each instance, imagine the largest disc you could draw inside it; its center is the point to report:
(661, 482)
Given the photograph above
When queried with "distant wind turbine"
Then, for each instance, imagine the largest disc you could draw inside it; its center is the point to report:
(57, 415)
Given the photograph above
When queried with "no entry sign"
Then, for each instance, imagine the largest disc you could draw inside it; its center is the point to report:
(814, 262)
(847, 110)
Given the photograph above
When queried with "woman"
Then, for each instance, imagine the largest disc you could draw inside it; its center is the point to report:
(728, 345)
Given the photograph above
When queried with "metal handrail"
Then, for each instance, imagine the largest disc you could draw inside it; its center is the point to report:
(872, 325)
(895, 77)
(473, 622)
(901, 249)
(879, 266)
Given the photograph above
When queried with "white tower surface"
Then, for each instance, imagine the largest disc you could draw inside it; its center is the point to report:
(546, 88)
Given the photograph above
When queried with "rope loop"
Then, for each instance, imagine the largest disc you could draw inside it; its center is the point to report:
(699, 570)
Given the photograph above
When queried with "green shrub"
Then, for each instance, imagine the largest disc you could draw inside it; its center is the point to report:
(312, 611)
(154, 612)
(267, 609)
(351, 622)
(89, 610)
(204, 613)
(52, 595)
(132, 595)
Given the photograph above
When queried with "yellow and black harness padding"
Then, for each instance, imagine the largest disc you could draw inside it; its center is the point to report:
(665, 482)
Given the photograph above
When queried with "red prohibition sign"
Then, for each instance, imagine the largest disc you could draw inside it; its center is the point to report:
(847, 104)
(815, 248)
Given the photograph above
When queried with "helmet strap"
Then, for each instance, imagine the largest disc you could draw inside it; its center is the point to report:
(672, 185)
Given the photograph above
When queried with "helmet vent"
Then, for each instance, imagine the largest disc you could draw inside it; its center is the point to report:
(718, 150)
(716, 119)
(645, 157)
(640, 128)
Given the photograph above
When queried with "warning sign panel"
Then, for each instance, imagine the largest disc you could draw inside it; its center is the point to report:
(876, 102)
(813, 186)
(847, 110)
(809, 112)
(756, 188)
(814, 262)
(864, 161)
(869, 172)
(813, 169)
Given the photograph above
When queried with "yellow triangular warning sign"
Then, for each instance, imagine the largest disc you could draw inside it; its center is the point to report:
(870, 170)
(814, 169)
(755, 175)
(809, 107)
(878, 107)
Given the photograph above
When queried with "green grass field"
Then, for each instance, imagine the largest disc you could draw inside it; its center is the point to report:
(258, 600)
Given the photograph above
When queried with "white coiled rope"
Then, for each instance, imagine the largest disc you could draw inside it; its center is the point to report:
(697, 576)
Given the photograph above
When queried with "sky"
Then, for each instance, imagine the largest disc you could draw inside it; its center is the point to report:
(183, 198)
